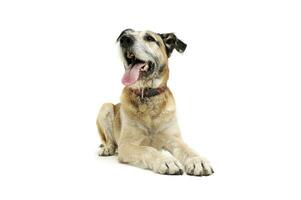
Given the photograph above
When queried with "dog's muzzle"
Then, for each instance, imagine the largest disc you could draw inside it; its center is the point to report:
(135, 67)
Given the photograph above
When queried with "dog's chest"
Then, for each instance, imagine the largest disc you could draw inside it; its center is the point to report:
(149, 114)
(155, 116)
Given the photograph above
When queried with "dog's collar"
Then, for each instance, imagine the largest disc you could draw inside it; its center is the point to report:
(148, 92)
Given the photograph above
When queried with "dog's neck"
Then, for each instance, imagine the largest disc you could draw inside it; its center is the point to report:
(153, 87)
(149, 92)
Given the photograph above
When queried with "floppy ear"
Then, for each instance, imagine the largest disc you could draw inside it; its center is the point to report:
(171, 42)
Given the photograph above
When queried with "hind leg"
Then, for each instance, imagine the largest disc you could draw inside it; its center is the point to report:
(105, 121)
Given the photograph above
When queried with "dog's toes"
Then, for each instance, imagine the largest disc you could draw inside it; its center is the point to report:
(105, 150)
(169, 166)
(198, 167)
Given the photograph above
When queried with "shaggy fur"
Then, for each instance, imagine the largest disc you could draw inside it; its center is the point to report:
(140, 127)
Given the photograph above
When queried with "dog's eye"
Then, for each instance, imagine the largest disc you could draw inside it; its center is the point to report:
(149, 38)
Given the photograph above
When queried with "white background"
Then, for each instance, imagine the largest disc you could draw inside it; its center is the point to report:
(237, 88)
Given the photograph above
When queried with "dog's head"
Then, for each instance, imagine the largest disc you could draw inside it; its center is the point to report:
(145, 56)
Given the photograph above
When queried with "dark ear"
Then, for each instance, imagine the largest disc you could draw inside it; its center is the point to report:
(171, 42)
(123, 32)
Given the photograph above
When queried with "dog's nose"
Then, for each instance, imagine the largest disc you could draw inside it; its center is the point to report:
(126, 41)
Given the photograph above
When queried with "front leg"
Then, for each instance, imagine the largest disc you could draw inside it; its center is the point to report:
(130, 150)
(193, 163)
(149, 158)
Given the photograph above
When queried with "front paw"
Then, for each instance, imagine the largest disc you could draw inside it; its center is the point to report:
(106, 150)
(198, 166)
(168, 166)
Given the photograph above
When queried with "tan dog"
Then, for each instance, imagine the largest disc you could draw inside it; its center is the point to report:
(145, 121)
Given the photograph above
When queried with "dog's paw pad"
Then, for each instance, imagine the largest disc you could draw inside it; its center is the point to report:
(197, 166)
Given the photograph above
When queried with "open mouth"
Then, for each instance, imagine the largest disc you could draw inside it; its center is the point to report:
(132, 60)
(135, 67)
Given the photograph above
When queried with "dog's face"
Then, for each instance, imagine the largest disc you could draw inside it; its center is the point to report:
(145, 56)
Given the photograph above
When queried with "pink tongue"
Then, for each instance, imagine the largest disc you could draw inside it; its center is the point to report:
(131, 75)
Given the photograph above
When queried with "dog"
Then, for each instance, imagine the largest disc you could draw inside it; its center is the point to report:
(144, 122)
